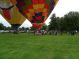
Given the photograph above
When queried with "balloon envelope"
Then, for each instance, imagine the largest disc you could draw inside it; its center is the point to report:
(36, 11)
(11, 13)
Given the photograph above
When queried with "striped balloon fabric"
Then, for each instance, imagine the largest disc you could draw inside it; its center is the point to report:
(36, 11)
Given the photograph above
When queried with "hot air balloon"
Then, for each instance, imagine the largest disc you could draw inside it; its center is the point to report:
(36, 11)
(10, 12)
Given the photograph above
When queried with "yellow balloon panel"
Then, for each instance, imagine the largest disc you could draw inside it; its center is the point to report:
(37, 6)
(17, 18)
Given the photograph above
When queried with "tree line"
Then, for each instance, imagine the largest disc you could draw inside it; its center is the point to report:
(67, 23)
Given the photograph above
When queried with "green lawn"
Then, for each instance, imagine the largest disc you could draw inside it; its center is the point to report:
(29, 46)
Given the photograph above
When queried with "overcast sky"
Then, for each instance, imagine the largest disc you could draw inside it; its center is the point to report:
(62, 8)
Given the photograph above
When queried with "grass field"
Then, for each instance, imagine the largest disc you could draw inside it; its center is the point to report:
(29, 46)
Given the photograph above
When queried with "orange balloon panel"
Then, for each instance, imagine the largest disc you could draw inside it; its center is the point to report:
(10, 12)
(13, 2)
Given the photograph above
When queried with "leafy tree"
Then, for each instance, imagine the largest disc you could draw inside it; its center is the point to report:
(61, 24)
(53, 24)
(71, 21)
(44, 27)
(1, 26)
